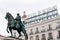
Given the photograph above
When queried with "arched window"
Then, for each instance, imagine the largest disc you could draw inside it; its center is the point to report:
(50, 37)
(37, 37)
(43, 37)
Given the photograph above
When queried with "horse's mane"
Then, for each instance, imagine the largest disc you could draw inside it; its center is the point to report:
(10, 15)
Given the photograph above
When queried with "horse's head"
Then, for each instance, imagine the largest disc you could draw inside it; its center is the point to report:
(7, 15)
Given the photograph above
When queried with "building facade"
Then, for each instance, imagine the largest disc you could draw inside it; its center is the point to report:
(43, 25)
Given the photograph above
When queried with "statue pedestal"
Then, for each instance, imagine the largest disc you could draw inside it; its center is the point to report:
(11, 38)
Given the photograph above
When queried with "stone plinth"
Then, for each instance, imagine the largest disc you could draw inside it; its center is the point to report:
(10, 38)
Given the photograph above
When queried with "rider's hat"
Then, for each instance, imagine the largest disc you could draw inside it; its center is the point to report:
(17, 13)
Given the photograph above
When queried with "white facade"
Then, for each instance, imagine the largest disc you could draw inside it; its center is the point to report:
(44, 26)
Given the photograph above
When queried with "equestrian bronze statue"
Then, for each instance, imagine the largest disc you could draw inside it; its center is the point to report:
(15, 24)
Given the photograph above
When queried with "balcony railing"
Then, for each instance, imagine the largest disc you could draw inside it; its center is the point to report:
(31, 33)
(43, 31)
(36, 32)
(43, 38)
(49, 29)
(50, 38)
(58, 27)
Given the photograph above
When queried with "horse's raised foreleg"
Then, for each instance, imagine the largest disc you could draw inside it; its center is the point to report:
(7, 30)
(11, 31)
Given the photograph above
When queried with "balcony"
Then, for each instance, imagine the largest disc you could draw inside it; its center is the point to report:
(36, 32)
(43, 31)
(50, 38)
(43, 38)
(49, 29)
(58, 27)
(31, 33)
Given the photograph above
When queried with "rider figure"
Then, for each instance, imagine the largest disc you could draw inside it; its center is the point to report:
(18, 22)
(18, 18)
(20, 25)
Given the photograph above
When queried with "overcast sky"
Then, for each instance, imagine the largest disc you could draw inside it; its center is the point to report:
(18, 6)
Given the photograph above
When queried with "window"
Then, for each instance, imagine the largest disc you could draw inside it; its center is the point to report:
(40, 16)
(49, 14)
(58, 24)
(43, 37)
(45, 18)
(37, 17)
(50, 36)
(57, 14)
(37, 37)
(35, 21)
(42, 26)
(41, 19)
(43, 29)
(37, 30)
(45, 15)
(31, 38)
(59, 33)
(31, 32)
(49, 27)
(49, 17)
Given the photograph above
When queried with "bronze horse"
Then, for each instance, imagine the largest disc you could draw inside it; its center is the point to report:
(12, 25)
